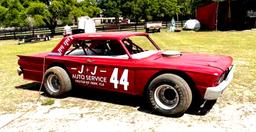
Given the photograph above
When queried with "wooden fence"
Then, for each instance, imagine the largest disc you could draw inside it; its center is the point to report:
(18, 33)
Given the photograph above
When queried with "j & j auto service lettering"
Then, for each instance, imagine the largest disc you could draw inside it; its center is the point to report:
(90, 77)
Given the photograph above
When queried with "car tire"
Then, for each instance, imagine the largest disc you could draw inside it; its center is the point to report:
(169, 95)
(57, 82)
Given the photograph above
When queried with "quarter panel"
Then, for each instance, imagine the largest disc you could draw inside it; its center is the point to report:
(32, 67)
(142, 77)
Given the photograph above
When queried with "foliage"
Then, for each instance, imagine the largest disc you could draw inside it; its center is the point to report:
(37, 13)
(185, 6)
(3, 11)
(83, 8)
(13, 13)
(168, 8)
(18, 13)
(111, 8)
(145, 9)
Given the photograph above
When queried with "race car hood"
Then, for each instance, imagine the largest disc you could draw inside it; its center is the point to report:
(192, 59)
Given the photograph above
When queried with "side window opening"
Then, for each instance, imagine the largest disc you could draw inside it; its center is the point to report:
(96, 48)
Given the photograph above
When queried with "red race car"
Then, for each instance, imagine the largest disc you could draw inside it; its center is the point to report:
(130, 62)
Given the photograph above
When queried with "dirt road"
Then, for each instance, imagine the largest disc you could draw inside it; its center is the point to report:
(104, 116)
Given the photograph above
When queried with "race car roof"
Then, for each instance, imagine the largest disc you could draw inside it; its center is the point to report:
(66, 42)
(107, 35)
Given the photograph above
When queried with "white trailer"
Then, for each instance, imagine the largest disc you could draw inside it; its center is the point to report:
(86, 24)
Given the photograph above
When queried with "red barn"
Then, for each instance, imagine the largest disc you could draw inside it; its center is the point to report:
(228, 15)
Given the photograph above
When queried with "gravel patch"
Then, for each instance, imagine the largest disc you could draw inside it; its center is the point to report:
(114, 117)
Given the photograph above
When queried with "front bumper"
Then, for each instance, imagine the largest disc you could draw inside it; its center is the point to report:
(212, 93)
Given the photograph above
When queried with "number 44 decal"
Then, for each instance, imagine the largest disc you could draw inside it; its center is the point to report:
(123, 79)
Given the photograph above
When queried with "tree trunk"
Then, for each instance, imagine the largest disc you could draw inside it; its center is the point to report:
(137, 19)
(116, 22)
(33, 32)
(14, 33)
(51, 25)
(52, 31)
(74, 21)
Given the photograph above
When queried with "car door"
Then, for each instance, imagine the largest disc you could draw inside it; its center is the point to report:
(113, 74)
(104, 66)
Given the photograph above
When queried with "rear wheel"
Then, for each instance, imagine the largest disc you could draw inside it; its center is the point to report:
(57, 81)
(169, 95)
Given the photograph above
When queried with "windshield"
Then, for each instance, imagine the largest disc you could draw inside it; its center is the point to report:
(137, 44)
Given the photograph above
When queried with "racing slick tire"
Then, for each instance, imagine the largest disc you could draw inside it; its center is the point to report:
(57, 81)
(169, 95)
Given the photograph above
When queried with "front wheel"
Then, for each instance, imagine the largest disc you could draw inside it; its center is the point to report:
(57, 81)
(169, 95)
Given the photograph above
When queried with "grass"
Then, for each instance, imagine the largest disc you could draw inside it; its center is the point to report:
(47, 102)
(240, 45)
(10, 96)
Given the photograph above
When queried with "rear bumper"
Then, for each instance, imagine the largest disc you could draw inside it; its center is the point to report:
(19, 71)
(212, 93)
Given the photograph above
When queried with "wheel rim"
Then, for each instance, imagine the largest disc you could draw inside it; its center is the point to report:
(166, 97)
(53, 83)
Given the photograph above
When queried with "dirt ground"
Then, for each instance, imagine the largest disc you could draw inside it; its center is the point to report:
(96, 115)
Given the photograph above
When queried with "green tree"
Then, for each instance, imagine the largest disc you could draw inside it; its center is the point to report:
(3, 11)
(12, 13)
(48, 13)
(19, 13)
(186, 7)
(140, 9)
(38, 14)
(132, 10)
(111, 8)
(83, 8)
(168, 8)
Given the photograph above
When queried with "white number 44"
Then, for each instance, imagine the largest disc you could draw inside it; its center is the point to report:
(123, 79)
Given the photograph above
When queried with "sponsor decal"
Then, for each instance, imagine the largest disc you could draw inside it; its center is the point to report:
(87, 76)
(65, 44)
(123, 80)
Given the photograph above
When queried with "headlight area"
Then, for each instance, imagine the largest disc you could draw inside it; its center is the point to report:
(223, 76)
(212, 93)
